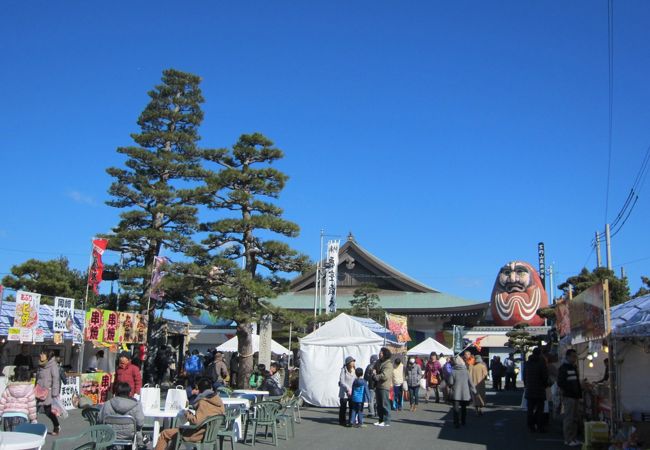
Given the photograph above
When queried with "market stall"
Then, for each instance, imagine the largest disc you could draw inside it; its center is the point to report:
(630, 342)
(111, 332)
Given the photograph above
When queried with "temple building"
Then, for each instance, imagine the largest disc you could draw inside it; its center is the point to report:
(430, 313)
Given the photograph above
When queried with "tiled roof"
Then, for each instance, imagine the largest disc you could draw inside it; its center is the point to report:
(398, 301)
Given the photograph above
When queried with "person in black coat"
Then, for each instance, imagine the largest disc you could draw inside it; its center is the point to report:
(536, 382)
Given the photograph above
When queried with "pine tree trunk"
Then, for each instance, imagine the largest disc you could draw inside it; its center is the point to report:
(245, 349)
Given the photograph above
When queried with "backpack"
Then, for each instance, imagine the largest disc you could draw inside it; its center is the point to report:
(194, 364)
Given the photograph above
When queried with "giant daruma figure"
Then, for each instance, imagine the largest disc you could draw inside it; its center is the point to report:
(517, 295)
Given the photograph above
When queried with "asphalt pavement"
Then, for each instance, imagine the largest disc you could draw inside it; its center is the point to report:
(502, 426)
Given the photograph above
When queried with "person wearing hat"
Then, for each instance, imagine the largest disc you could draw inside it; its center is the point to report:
(346, 379)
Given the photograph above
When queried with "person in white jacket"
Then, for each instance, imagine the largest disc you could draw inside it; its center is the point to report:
(398, 381)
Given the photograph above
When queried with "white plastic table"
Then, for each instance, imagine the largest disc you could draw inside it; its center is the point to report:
(251, 392)
(233, 402)
(11, 440)
(159, 414)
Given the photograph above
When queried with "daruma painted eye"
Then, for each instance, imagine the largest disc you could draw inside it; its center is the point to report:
(518, 300)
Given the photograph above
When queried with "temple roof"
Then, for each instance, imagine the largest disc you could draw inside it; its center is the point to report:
(397, 292)
(358, 266)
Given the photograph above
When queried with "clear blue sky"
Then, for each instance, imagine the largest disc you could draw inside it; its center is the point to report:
(449, 137)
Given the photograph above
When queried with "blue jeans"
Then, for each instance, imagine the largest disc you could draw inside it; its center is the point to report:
(397, 396)
(357, 412)
(414, 391)
(383, 405)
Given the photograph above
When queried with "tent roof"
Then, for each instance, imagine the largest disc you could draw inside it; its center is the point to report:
(430, 345)
(231, 345)
(340, 331)
(632, 317)
(379, 329)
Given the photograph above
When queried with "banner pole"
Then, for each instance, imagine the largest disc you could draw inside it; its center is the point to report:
(83, 308)
(385, 327)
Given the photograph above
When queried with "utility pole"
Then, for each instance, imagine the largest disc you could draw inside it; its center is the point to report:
(552, 285)
(608, 243)
(599, 261)
(622, 272)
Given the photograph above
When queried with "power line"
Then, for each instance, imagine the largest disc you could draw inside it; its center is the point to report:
(15, 250)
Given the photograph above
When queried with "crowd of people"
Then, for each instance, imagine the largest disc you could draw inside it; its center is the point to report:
(386, 382)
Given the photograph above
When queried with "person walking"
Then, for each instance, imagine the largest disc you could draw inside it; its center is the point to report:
(497, 368)
(234, 369)
(18, 403)
(372, 385)
(569, 383)
(511, 380)
(217, 371)
(413, 377)
(128, 373)
(398, 382)
(346, 378)
(478, 374)
(48, 380)
(383, 375)
(359, 395)
(461, 390)
(433, 376)
(536, 381)
(193, 366)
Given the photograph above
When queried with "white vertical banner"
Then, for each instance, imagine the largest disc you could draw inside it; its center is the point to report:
(331, 274)
(63, 314)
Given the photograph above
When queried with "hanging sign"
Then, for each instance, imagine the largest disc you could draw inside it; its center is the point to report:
(27, 304)
(26, 335)
(38, 335)
(63, 313)
(13, 334)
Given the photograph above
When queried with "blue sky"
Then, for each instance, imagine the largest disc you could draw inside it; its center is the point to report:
(448, 137)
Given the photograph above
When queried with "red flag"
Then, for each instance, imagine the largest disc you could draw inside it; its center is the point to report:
(477, 342)
(97, 266)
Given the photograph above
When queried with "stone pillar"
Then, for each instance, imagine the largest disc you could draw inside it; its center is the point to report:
(266, 330)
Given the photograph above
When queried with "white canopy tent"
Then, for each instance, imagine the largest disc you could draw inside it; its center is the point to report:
(430, 345)
(231, 345)
(323, 353)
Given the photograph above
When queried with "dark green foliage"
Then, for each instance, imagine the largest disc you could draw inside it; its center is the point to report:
(619, 290)
(365, 302)
(152, 187)
(643, 290)
(520, 339)
(241, 194)
(51, 278)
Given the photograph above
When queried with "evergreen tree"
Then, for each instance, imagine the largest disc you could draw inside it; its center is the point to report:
(643, 290)
(153, 186)
(157, 189)
(619, 291)
(243, 190)
(50, 278)
(365, 302)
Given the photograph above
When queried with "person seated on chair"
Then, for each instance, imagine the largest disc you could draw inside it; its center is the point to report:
(207, 405)
(271, 385)
(122, 405)
(18, 403)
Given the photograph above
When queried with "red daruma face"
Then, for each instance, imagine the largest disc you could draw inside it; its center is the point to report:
(517, 295)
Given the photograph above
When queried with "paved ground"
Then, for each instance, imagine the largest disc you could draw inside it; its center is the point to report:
(502, 426)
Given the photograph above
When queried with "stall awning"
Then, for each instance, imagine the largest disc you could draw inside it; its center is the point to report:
(45, 321)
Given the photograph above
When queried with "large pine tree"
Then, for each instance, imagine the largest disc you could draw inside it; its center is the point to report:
(244, 189)
(156, 188)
